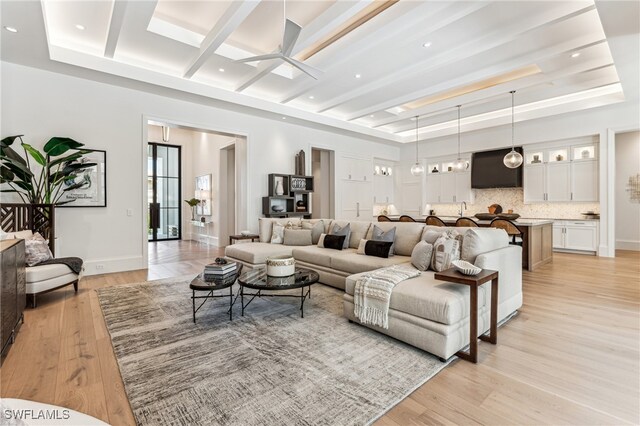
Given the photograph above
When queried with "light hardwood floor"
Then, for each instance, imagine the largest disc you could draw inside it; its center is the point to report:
(572, 355)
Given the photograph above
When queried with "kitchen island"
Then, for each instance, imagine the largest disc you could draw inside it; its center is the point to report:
(537, 239)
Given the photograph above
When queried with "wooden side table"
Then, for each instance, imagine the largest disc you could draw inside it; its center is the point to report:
(251, 237)
(475, 281)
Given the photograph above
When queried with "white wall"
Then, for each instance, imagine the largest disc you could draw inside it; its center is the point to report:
(44, 104)
(627, 212)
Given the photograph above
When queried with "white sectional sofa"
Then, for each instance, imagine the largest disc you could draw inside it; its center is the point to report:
(429, 314)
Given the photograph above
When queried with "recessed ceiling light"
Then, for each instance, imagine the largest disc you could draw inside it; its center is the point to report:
(11, 29)
(221, 69)
(358, 76)
(312, 97)
(284, 118)
(80, 27)
(427, 44)
(371, 116)
(575, 55)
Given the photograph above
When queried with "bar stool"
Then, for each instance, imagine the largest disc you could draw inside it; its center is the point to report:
(435, 221)
(405, 218)
(383, 218)
(467, 222)
(514, 232)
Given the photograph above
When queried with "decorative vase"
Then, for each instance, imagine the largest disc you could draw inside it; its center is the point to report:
(559, 157)
(279, 188)
(585, 153)
(202, 219)
(193, 212)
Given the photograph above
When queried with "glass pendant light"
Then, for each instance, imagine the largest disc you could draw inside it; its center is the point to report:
(459, 165)
(417, 168)
(513, 159)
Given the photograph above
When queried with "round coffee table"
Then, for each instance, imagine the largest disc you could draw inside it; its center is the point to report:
(199, 283)
(257, 279)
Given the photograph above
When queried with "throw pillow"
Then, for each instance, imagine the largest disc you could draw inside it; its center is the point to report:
(478, 241)
(36, 250)
(345, 230)
(297, 237)
(432, 236)
(277, 235)
(375, 248)
(329, 241)
(445, 250)
(421, 255)
(316, 230)
(379, 235)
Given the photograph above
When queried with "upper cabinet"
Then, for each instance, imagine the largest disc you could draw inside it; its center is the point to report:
(383, 182)
(356, 169)
(443, 185)
(561, 173)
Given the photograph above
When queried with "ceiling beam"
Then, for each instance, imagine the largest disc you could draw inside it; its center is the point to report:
(115, 27)
(228, 22)
(325, 24)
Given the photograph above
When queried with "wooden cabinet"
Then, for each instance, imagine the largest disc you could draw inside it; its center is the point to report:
(575, 236)
(561, 174)
(13, 297)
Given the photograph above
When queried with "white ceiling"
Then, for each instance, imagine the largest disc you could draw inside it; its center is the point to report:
(475, 49)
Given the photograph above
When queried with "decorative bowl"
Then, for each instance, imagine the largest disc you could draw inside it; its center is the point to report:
(466, 268)
(277, 209)
(281, 266)
(245, 232)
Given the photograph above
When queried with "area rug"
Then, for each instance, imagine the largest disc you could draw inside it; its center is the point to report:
(268, 367)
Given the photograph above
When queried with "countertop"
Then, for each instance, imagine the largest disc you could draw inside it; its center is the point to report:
(522, 220)
(519, 221)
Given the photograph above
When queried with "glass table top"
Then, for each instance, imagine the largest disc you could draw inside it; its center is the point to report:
(258, 279)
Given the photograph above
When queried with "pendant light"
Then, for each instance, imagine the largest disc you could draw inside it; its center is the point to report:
(513, 159)
(417, 169)
(165, 133)
(459, 165)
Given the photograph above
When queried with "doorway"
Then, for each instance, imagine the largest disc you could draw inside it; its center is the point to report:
(323, 170)
(164, 217)
(228, 197)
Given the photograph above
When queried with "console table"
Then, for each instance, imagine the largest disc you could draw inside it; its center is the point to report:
(475, 281)
(13, 291)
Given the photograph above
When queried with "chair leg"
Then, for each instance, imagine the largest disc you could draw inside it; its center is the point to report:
(33, 301)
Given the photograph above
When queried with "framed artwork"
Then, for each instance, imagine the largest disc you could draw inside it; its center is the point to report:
(90, 183)
(203, 193)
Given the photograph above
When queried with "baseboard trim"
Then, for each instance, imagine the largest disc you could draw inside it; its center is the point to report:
(114, 264)
(627, 245)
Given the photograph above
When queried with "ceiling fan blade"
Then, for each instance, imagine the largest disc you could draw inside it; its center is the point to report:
(291, 33)
(309, 70)
(261, 57)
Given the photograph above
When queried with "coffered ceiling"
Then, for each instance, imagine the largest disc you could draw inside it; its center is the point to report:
(384, 61)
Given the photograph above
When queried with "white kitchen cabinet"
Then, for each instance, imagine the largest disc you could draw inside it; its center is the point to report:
(383, 189)
(463, 188)
(584, 181)
(535, 190)
(576, 236)
(356, 169)
(432, 188)
(448, 187)
(558, 181)
(411, 199)
(356, 200)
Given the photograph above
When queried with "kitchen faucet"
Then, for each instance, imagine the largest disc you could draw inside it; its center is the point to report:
(465, 207)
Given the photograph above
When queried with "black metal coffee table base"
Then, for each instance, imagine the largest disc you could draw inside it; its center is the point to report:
(210, 295)
(303, 296)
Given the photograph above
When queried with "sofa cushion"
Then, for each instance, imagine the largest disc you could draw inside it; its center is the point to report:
(421, 255)
(265, 226)
(407, 235)
(317, 228)
(378, 234)
(297, 237)
(425, 297)
(46, 272)
(341, 230)
(314, 255)
(375, 248)
(446, 249)
(335, 242)
(477, 241)
(354, 263)
(256, 253)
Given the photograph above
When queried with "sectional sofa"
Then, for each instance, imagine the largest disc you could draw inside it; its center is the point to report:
(429, 314)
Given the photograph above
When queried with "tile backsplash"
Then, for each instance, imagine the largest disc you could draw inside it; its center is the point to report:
(513, 198)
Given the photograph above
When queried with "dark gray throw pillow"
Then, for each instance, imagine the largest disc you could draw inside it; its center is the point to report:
(335, 242)
(380, 235)
(377, 248)
(345, 230)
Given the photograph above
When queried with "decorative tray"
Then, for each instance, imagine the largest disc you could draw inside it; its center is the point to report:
(489, 216)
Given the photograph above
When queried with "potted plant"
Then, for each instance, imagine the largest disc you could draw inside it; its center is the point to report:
(193, 203)
(42, 182)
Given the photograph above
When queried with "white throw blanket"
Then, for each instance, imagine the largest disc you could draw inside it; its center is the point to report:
(373, 292)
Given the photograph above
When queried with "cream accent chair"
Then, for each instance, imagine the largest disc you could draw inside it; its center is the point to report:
(44, 278)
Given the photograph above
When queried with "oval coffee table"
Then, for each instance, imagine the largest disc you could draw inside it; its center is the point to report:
(199, 283)
(257, 279)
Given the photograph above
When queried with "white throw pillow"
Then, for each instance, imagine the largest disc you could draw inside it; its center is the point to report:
(482, 240)
(445, 250)
(36, 250)
(421, 255)
(277, 235)
(316, 229)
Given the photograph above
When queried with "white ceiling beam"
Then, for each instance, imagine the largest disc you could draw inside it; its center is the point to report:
(331, 19)
(115, 27)
(228, 22)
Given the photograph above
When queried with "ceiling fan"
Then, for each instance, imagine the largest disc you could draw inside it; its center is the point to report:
(291, 33)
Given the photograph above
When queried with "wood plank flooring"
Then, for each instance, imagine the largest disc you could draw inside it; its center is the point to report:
(571, 356)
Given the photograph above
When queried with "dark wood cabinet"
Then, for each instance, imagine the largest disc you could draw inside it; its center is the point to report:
(13, 297)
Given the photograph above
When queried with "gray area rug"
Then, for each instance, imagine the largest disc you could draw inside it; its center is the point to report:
(268, 367)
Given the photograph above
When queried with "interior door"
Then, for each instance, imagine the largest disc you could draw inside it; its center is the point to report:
(164, 177)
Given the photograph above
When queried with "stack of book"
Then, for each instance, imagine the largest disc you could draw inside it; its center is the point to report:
(215, 271)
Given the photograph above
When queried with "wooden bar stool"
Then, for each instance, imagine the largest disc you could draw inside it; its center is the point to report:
(383, 218)
(435, 221)
(465, 221)
(405, 218)
(514, 232)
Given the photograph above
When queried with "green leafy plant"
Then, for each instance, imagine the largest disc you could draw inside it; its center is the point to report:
(193, 203)
(54, 172)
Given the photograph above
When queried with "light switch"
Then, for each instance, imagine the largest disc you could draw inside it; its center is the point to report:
(129, 212)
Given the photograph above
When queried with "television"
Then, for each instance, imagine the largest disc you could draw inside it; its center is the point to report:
(488, 170)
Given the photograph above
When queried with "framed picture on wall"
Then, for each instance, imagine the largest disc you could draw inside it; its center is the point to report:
(87, 187)
(203, 193)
